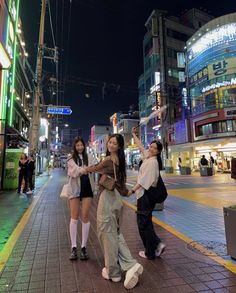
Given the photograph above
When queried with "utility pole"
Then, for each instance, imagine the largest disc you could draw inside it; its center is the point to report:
(34, 131)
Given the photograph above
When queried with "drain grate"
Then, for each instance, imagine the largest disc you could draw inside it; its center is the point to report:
(211, 247)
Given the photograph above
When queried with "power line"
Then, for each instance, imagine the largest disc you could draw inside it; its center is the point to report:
(50, 17)
(67, 45)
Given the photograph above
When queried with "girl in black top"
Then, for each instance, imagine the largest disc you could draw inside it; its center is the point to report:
(23, 162)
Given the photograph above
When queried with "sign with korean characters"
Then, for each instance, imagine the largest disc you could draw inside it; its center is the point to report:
(223, 67)
(199, 77)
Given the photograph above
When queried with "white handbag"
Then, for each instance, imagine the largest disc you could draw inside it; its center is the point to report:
(64, 191)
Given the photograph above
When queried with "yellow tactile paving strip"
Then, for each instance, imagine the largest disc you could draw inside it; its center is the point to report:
(217, 197)
(8, 247)
(188, 240)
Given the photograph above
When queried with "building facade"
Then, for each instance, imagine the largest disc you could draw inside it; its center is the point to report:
(211, 72)
(163, 80)
(16, 91)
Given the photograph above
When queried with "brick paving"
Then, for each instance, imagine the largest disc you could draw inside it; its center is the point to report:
(39, 262)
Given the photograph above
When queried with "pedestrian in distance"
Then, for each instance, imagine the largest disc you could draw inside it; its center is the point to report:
(204, 161)
(23, 163)
(117, 255)
(30, 174)
(148, 176)
(80, 189)
(179, 163)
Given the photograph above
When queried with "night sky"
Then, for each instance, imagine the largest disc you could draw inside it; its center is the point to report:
(105, 47)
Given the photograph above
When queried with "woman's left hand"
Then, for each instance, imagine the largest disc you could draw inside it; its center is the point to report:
(129, 193)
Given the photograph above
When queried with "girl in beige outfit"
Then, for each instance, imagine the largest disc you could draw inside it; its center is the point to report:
(117, 256)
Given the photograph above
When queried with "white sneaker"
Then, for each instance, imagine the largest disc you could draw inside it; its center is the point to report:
(160, 249)
(105, 276)
(142, 254)
(132, 275)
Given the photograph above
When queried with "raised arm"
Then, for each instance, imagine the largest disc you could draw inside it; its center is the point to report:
(138, 141)
(99, 168)
(73, 169)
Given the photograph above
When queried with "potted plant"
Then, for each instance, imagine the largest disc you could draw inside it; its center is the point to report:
(230, 227)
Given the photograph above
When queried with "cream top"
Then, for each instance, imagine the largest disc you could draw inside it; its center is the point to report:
(148, 175)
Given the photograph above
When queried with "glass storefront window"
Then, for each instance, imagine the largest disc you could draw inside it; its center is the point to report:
(229, 125)
(224, 127)
(234, 125)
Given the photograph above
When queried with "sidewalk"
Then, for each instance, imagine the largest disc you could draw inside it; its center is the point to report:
(39, 261)
(13, 206)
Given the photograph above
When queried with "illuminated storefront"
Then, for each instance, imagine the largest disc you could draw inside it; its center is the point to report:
(211, 71)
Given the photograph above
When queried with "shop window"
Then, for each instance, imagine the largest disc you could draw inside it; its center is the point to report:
(224, 126)
(215, 127)
(229, 125)
(234, 125)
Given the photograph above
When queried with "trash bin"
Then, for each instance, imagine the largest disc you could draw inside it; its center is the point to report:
(230, 220)
(169, 170)
(206, 171)
(233, 168)
(185, 170)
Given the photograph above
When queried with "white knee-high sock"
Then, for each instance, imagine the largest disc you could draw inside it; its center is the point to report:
(73, 232)
(85, 233)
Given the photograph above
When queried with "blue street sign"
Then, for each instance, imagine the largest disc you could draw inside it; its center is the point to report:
(59, 110)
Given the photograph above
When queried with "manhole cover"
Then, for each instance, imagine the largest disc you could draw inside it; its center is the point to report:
(211, 247)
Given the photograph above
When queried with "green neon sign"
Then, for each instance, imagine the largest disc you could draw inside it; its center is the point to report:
(14, 65)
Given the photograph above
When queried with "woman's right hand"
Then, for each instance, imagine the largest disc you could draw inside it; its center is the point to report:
(134, 130)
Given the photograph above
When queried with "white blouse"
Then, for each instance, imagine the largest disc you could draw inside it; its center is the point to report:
(148, 175)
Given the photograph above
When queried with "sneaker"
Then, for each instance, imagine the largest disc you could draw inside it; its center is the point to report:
(160, 249)
(29, 192)
(73, 255)
(105, 276)
(132, 275)
(142, 254)
(83, 254)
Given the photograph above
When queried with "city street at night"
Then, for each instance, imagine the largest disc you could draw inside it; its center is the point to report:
(39, 259)
(117, 146)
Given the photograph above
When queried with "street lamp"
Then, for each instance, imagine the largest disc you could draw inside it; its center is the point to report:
(66, 125)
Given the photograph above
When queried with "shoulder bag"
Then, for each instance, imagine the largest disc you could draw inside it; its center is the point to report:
(159, 193)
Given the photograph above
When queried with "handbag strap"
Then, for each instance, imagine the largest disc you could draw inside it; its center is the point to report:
(114, 169)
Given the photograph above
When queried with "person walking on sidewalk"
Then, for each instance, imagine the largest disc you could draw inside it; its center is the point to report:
(30, 174)
(148, 176)
(81, 187)
(117, 255)
(23, 162)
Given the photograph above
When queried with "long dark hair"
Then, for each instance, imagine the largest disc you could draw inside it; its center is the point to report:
(159, 148)
(75, 155)
(121, 154)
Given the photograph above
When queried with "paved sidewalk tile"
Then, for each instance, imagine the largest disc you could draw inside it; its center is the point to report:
(12, 208)
(39, 262)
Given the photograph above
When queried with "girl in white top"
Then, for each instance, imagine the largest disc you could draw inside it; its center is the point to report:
(148, 176)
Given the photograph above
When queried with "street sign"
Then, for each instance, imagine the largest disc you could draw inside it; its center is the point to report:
(59, 110)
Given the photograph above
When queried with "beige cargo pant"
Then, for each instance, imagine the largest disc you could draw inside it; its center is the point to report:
(116, 252)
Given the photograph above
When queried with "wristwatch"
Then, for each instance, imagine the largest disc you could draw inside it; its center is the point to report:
(133, 191)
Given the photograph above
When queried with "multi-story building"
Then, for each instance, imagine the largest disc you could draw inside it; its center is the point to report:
(162, 82)
(211, 72)
(69, 134)
(98, 138)
(16, 91)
